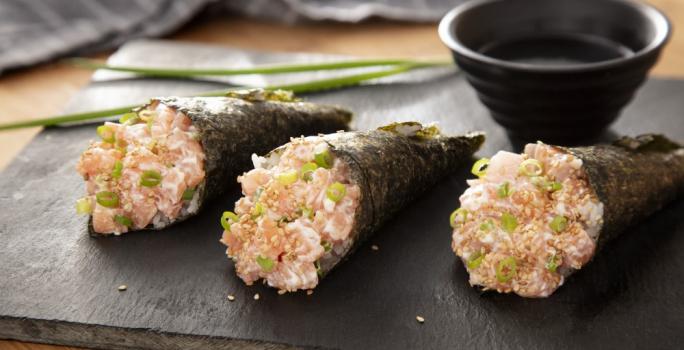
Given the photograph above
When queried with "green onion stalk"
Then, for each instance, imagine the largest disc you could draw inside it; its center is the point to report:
(305, 87)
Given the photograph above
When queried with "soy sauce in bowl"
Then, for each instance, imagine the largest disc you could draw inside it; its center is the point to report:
(559, 71)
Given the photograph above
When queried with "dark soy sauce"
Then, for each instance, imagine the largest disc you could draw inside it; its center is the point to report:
(554, 50)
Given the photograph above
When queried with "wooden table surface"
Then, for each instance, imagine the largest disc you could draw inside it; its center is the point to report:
(44, 90)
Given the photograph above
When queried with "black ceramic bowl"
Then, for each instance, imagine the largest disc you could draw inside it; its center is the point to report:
(555, 70)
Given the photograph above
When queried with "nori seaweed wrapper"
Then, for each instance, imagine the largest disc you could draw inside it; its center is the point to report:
(393, 169)
(231, 129)
(633, 178)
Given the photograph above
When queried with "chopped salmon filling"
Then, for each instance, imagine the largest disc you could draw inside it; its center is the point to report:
(297, 211)
(527, 222)
(143, 172)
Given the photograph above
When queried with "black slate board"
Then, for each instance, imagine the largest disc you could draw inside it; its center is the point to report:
(58, 285)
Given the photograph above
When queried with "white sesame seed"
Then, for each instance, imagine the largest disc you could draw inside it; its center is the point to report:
(420, 319)
(375, 247)
(309, 292)
(122, 288)
(256, 296)
(231, 297)
(281, 291)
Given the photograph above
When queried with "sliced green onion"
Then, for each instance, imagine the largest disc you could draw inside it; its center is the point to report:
(504, 190)
(307, 213)
(508, 222)
(150, 178)
(107, 199)
(531, 167)
(106, 133)
(130, 118)
(506, 269)
(554, 186)
(120, 219)
(258, 210)
(319, 271)
(118, 167)
(83, 206)
(147, 115)
(327, 246)
(479, 169)
(307, 170)
(553, 263)
(475, 261)
(324, 159)
(227, 218)
(455, 214)
(188, 194)
(487, 225)
(559, 223)
(266, 264)
(287, 178)
(336, 192)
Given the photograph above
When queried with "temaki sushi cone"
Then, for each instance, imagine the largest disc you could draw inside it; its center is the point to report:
(162, 162)
(308, 204)
(532, 219)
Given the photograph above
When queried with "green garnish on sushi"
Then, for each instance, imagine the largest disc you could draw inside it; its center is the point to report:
(504, 190)
(150, 178)
(106, 133)
(336, 192)
(287, 178)
(107, 199)
(475, 260)
(531, 167)
(508, 222)
(118, 167)
(324, 159)
(83, 206)
(506, 269)
(265, 263)
(455, 214)
(227, 218)
(479, 169)
(188, 194)
(559, 223)
(307, 170)
(123, 220)
(552, 264)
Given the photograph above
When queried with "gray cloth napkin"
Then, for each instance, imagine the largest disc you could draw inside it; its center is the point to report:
(34, 31)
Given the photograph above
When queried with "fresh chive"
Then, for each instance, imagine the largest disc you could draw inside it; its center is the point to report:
(272, 69)
(336, 192)
(479, 169)
(305, 87)
(227, 218)
(150, 178)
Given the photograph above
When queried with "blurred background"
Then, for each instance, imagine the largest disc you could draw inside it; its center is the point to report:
(35, 34)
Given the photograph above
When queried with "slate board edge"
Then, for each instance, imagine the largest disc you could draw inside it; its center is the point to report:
(58, 332)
